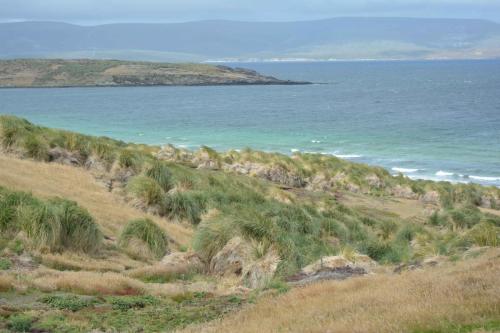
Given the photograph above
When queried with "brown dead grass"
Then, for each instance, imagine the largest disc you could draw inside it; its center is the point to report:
(6, 282)
(87, 283)
(404, 208)
(50, 179)
(467, 292)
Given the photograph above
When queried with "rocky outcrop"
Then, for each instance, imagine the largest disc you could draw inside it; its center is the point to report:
(334, 268)
(204, 160)
(182, 260)
(431, 197)
(170, 153)
(63, 156)
(404, 192)
(374, 181)
(235, 260)
(489, 201)
(280, 175)
(258, 273)
(231, 259)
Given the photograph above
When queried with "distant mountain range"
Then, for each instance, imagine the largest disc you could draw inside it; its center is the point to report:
(337, 38)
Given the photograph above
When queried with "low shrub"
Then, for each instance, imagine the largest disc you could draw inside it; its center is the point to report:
(147, 233)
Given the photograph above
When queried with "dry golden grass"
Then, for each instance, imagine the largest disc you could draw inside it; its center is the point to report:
(6, 282)
(51, 179)
(404, 208)
(113, 262)
(87, 283)
(463, 293)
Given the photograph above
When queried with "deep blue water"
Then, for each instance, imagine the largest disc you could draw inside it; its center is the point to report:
(437, 120)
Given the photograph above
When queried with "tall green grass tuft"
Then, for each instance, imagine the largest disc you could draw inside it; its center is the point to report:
(184, 206)
(160, 173)
(129, 159)
(53, 225)
(212, 235)
(146, 189)
(146, 232)
(78, 228)
(41, 226)
(36, 148)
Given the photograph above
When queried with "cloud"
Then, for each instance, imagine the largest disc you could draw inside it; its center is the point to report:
(99, 11)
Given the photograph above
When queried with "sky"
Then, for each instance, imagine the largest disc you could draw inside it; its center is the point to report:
(89, 12)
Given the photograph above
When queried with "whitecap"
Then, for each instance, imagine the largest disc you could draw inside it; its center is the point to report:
(347, 156)
(442, 173)
(484, 178)
(315, 141)
(293, 150)
(404, 170)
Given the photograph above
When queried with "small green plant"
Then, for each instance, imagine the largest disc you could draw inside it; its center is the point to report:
(70, 302)
(130, 302)
(20, 323)
(5, 264)
(279, 285)
(147, 232)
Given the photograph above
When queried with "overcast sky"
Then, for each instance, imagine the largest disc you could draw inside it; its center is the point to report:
(107, 11)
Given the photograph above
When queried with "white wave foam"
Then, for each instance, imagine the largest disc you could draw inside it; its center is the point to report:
(404, 170)
(484, 178)
(442, 173)
(347, 156)
(294, 150)
(315, 141)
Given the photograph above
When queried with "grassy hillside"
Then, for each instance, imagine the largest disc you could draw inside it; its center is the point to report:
(87, 216)
(82, 73)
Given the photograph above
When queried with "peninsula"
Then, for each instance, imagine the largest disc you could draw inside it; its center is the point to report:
(34, 73)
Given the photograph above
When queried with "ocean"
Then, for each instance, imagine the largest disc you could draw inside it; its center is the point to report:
(436, 120)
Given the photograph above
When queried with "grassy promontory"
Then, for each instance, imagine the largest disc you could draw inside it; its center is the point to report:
(231, 228)
(30, 73)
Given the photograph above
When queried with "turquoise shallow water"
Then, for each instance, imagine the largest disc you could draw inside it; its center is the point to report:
(436, 120)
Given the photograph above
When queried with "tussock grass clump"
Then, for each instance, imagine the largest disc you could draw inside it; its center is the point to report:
(212, 234)
(41, 226)
(129, 159)
(184, 206)
(160, 173)
(146, 189)
(78, 228)
(51, 225)
(485, 234)
(147, 233)
(36, 148)
(12, 129)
